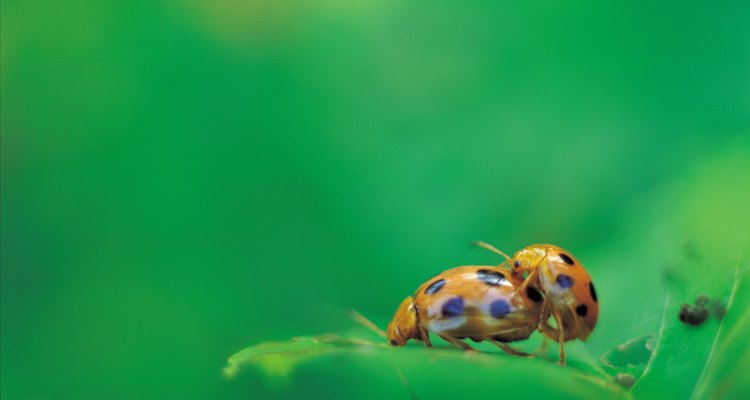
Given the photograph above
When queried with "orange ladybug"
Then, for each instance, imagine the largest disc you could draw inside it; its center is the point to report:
(569, 294)
(476, 302)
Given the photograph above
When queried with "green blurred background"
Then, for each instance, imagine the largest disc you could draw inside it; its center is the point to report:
(183, 179)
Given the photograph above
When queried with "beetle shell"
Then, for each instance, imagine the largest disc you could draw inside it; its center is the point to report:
(477, 302)
(404, 325)
(567, 286)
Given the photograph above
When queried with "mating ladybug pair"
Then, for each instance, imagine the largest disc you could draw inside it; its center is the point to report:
(502, 303)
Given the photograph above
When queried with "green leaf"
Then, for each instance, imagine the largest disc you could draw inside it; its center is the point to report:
(705, 361)
(692, 241)
(277, 358)
(416, 371)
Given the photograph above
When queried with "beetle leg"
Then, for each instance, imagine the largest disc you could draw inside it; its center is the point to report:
(510, 350)
(549, 331)
(543, 348)
(424, 335)
(529, 279)
(456, 341)
(544, 315)
(560, 336)
(556, 333)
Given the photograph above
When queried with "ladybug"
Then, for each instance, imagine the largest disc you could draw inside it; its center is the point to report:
(569, 294)
(476, 302)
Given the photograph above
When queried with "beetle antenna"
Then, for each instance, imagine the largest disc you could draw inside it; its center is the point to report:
(491, 248)
(362, 320)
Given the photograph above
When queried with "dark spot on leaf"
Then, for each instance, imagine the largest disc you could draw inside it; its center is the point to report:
(718, 310)
(692, 315)
(624, 379)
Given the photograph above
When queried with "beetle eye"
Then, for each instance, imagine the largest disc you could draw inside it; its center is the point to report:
(516, 264)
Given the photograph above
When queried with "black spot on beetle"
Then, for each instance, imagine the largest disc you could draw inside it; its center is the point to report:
(564, 281)
(492, 278)
(593, 291)
(393, 342)
(453, 307)
(516, 264)
(582, 310)
(435, 286)
(533, 294)
(567, 259)
(499, 308)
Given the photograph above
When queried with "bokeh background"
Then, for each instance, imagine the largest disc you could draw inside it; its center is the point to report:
(183, 179)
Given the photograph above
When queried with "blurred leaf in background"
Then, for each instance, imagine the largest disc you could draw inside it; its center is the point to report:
(183, 179)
